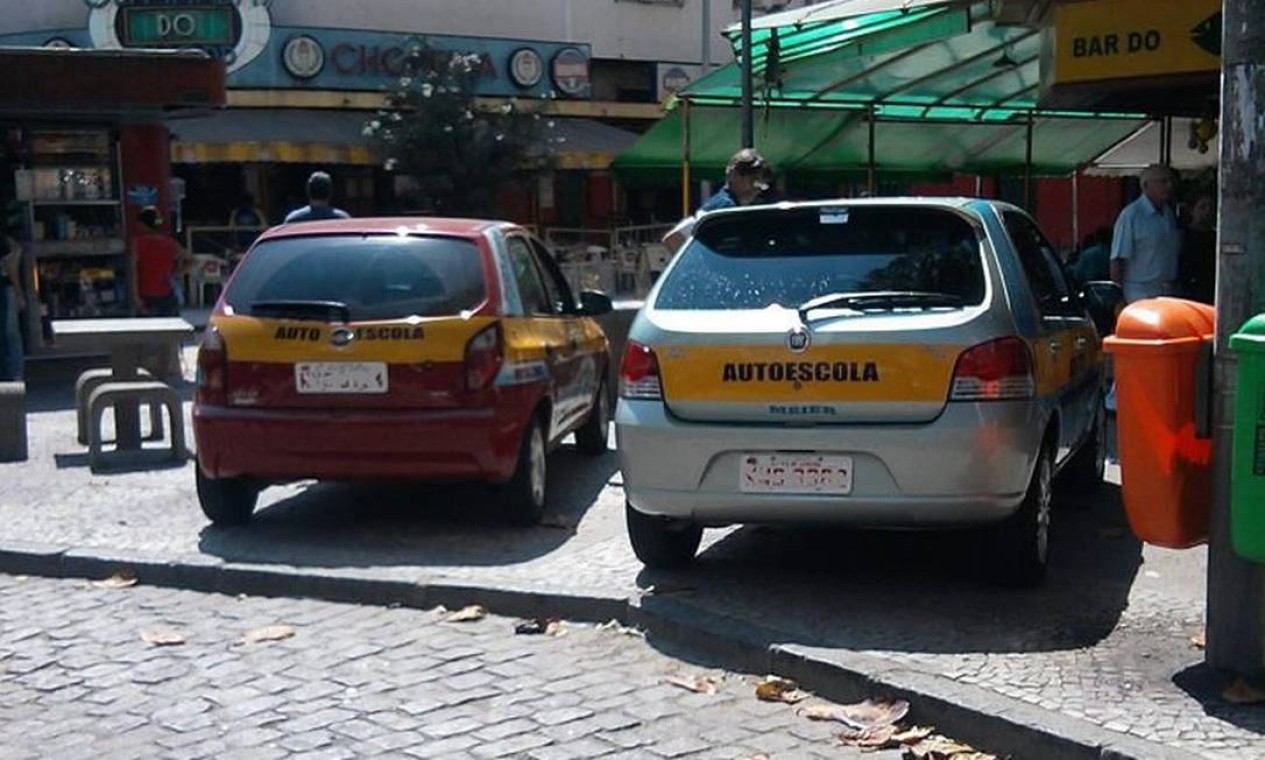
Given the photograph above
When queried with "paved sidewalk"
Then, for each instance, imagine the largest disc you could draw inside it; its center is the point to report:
(81, 682)
(1100, 657)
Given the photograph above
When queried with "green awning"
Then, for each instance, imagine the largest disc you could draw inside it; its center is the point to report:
(946, 87)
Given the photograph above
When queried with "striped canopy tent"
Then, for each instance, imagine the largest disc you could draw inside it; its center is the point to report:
(869, 86)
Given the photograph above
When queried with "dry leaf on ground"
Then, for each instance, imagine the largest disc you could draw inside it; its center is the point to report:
(1243, 693)
(1199, 640)
(268, 633)
(162, 638)
(871, 713)
(547, 626)
(467, 614)
(700, 685)
(913, 734)
(875, 737)
(760, 756)
(774, 689)
(121, 579)
(937, 747)
(618, 627)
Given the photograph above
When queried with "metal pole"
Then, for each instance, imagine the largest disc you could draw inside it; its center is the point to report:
(707, 36)
(873, 172)
(685, 158)
(1076, 207)
(748, 117)
(1027, 167)
(1236, 587)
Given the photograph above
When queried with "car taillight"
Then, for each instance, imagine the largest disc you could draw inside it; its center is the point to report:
(999, 370)
(212, 386)
(483, 358)
(639, 373)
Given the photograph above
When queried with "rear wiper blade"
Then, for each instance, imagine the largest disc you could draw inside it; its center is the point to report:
(326, 311)
(880, 299)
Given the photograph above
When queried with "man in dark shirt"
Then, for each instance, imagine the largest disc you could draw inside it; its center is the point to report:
(320, 193)
(747, 178)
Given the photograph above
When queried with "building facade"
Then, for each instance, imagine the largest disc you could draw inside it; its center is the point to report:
(304, 76)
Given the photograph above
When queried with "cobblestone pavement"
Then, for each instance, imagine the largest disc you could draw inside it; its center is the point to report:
(80, 682)
(1107, 639)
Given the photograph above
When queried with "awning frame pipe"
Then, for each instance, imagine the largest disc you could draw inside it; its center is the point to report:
(685, 157)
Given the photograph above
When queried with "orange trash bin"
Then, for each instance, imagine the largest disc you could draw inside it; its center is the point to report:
(1165, 466)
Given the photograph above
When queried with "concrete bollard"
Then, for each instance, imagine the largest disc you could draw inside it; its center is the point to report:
(13, 444)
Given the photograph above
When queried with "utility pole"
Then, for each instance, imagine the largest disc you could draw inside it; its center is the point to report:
(748, 119)
(1236, 587)
(707, 37)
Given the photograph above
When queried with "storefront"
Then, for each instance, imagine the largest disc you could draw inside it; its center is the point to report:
(85, 147)
(299, 97)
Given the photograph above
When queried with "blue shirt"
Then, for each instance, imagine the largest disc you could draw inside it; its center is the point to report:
(315, 214)
(1147, 238)
(722, 199)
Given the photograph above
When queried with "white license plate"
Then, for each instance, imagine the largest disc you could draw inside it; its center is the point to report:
(340, 377)
(796, 473)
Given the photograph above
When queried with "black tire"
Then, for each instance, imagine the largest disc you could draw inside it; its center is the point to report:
(1021, 543)
(1085, 471)
(226, 501)
(591, 437)
(660, 542)
(523, 496)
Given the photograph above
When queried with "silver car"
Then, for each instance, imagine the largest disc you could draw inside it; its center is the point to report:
(891, 363)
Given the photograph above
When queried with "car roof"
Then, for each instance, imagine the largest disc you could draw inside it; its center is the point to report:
(953, 202)
(388, 225)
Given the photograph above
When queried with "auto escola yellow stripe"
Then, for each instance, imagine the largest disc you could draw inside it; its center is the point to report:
(823, 373)
(286, 340)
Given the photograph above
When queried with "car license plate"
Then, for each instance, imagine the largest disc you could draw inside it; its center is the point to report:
(340, 377)
(796, 473)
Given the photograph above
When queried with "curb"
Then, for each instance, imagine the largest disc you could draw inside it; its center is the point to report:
(978, 716)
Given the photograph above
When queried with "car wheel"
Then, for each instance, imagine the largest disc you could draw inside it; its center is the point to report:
(523, 497)
(1085, 471)
(591, 437)
(1022, 542)
(661, 542)
(226, 501)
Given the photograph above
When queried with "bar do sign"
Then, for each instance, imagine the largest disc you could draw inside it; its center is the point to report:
(1122, 39)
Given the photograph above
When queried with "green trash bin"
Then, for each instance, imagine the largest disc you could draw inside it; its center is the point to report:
(1247, 474)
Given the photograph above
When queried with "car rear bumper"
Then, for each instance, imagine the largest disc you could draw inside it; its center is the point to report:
(278, 445)
(969, 466)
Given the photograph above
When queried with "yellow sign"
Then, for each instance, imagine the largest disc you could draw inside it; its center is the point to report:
(1126, 39)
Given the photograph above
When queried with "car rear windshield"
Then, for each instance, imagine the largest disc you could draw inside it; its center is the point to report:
(751, 260)
(369, 277)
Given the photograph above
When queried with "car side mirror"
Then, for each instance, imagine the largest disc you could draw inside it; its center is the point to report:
(1102, 299)
(595, 303)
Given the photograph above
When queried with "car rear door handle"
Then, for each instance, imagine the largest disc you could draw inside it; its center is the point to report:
(1080, 343)
(1055, 346)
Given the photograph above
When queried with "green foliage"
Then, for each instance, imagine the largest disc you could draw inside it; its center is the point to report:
(457, 154)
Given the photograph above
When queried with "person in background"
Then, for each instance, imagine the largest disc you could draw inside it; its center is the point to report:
(320, 194)
(1197, 271)
(747, 180)
(11, 306)
(246, 222)
(156, 259)
(1094, 262)
(1147, 242)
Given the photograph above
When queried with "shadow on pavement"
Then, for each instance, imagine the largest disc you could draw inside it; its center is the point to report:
(930, 592)
(355, 525)
(1205, 685)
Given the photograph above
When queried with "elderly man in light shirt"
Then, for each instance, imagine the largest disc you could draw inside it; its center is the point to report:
(1147, 240)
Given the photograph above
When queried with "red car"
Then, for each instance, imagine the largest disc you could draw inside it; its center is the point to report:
(396, 349)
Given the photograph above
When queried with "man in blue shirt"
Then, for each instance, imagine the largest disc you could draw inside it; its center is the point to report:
(320, 191)
(746, 180)
(1147, 241)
